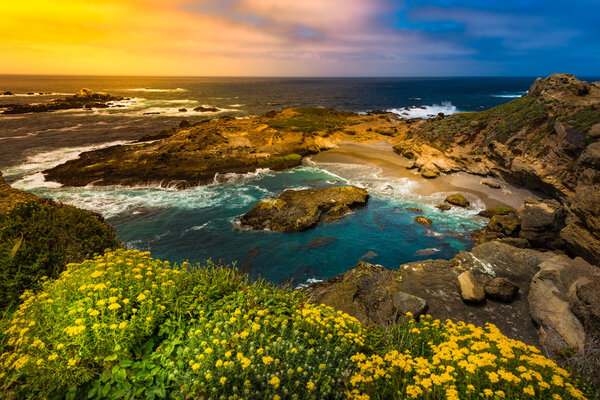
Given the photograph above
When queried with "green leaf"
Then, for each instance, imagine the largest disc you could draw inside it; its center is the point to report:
(16, 247)
(121, 376)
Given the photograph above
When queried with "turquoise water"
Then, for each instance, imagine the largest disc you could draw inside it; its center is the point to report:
(200, 224)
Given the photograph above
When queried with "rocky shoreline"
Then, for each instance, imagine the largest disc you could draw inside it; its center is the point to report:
(85, 98)
(546, 140)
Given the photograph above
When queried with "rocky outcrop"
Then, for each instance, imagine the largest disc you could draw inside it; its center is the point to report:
(299, 210)
(541, 223)
(423, 220)
(205, 152)
(471, 286)
(552, 290)
(85, 98)
(501, 289)
(368, 291)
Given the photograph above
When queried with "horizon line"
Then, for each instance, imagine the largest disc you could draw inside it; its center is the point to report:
(282, 76)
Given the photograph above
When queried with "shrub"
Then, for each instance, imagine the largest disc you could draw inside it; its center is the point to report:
(88, 318)
(38, 239)
(430, 360)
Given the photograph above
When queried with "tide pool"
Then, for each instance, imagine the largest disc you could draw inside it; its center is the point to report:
(201, 223)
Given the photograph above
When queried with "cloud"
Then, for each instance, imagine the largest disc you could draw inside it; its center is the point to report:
(284, 37)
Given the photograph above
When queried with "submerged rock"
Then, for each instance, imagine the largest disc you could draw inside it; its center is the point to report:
(206, 109)
(299, 210)
(318, 242)
(423, 220)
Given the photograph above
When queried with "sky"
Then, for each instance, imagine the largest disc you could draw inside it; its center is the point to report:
(300, 37)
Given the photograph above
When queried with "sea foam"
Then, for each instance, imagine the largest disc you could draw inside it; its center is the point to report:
(428, 111)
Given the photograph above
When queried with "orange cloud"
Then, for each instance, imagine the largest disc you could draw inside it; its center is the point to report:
(202, 37)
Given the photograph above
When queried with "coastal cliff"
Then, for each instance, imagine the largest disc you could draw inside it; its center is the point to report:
(545, 140)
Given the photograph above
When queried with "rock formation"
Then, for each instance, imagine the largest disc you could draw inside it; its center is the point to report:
(299, 210)
(85, 98)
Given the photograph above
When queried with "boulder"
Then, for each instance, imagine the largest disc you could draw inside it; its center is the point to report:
(271, 114)
(429, 174)
(423, 220)
(458, 199)
(471, 287)
(7, 93)
(366, 292)
(443, 207)
(541, 223)
(505, 224)
(407, 303)
(594, 132)
(549, 296)
(492, 184)
(415, 209)
(183, 110)
(501, 289)
(299, 210)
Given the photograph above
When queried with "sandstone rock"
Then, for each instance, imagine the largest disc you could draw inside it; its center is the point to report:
(492, 184)
(585, 303)
(501, 289)
(549, 301)
(591, 156)
(541, 222)
(298, 210)
(516, 242)
(471, 287)
(423, 220)
(443, 207)
(594, 132)
(505, 224)
(429, 174)
(415, 209)
(458, 199)
(407, 303)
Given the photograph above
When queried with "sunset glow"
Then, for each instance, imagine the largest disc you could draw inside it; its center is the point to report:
(287, 38)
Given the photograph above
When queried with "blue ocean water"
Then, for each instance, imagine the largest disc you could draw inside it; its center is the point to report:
(199, 224)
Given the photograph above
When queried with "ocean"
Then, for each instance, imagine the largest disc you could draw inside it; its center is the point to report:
(200, 223)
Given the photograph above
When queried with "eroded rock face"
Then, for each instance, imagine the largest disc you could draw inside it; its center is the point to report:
(471, 287)
(550, 291)
(585, 303)
(541, 223)
(299, 210)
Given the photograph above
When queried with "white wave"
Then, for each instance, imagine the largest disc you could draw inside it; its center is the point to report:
(198, 227)
(308, 282)
(36, 94)
(35, 181)
(510, 95)
(429, 111)
(236, 105)
(47, 159)
(30, 134)
(232, 177)
(156, 90)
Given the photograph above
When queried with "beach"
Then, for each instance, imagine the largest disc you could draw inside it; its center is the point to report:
(381, 155)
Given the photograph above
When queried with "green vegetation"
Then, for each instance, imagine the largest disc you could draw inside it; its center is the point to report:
(38, 238)
(310, 120)
(124, 325)
(583, 119)
(283, 162)
(498, 123)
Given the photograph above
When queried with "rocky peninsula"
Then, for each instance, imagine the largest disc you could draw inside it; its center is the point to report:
(85, 98)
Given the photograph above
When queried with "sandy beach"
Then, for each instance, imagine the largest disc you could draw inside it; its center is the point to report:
(381, 155)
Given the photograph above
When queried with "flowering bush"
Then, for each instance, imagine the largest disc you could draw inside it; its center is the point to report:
(124, 325)
(87, 318)
(458, 361)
